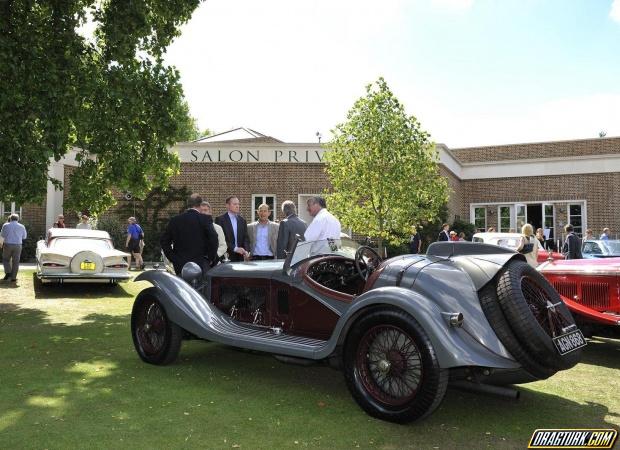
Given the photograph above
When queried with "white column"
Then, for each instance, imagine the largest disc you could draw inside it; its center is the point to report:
(54, 202)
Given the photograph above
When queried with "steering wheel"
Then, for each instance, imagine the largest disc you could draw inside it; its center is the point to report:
(373, 260)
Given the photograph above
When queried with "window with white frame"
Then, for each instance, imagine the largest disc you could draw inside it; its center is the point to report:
(259, 199)
(575, 217)
(504, 219)
(480, 218)
(6, 209)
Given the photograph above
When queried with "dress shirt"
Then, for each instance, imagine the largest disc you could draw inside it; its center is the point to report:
(323, 226)
(233, 221)
(13, 232)
(261, 247)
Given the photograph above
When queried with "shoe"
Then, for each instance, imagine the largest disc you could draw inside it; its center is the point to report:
(13, 280)
(6, 276)
(142, 266)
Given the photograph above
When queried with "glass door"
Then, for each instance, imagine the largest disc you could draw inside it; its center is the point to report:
(521, 216)
(548, 221)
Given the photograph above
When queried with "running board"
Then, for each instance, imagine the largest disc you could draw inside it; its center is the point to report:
(225, 330)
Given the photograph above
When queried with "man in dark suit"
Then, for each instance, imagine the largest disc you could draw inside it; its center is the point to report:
(572, 245)
(444, 234)
(289, 229)
(190, 236)
(235, 230)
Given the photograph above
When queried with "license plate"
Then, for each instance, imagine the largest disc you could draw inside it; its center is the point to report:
(569, 342)
(87, 265)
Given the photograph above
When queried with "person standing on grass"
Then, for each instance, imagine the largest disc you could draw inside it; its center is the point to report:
(444, 234)
(84, 225)
(572, 245)
(60, 222)
(13, 234)
(190, 236)
(135, 236)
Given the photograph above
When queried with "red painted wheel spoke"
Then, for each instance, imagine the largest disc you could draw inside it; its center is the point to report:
(389, 364)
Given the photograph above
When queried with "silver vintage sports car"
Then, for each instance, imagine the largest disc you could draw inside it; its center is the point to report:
(70, 254)
(471, 315)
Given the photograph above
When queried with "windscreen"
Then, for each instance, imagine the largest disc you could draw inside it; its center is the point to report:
(94, 245)
(307, 249)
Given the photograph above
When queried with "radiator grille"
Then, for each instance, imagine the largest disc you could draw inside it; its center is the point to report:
(595, 295)
(566, 288)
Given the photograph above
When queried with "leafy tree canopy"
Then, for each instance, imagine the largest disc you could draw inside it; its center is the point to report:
(108, 96)
(383, 169)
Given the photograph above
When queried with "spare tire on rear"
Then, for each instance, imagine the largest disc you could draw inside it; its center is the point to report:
(495, 316)
(536, 314)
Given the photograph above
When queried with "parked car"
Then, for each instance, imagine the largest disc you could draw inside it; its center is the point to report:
(77, 255)
(590, 288)
(512, 241)
(475, 315)
(601, 249)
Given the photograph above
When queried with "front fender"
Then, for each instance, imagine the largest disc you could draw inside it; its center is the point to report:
(184, 305)
(454, 346)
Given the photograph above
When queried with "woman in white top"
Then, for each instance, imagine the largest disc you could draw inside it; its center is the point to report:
(528, 238)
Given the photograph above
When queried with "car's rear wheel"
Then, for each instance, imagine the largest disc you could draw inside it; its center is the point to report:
(156, 339)
(391, 367)
(536, 313)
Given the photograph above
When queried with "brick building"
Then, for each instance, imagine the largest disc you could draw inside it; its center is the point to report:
(549, 183)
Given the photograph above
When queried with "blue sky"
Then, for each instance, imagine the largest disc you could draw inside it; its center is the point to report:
(474, 72)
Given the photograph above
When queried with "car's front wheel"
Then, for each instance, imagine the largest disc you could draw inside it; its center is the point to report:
(156, 339)
(391, 367)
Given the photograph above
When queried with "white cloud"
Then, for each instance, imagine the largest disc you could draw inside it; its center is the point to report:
(614, 13)
(285, 68)
(452, 5)
(562, 119)
(290, 69)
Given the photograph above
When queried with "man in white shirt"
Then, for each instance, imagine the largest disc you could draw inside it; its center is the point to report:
(13, 234)
(324, 225)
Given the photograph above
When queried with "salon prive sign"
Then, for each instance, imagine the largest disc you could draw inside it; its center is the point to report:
(250, 154)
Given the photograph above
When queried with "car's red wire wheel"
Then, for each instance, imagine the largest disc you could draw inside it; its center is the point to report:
(389, 364)
(548, 316)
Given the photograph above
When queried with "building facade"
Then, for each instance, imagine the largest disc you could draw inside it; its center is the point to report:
(546, 184)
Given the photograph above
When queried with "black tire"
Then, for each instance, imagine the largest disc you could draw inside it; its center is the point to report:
(391, 368)
(495, 316)
(525, 297)
(156, 339)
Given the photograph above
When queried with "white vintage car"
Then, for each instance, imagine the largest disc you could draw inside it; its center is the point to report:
(69, 254)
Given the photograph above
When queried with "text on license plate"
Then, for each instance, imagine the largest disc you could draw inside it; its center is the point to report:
(87, 265)
(569, 342)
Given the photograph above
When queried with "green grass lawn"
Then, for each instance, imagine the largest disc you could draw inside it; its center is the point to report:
(70, 378)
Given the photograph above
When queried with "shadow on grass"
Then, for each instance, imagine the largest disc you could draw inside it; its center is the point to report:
(85, 383)
(5, 284)
(603, 352)
(77, 290)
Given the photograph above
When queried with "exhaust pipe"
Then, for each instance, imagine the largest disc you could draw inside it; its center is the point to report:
(490, 389)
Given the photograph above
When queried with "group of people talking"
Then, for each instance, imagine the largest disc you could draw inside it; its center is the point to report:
(195, 236)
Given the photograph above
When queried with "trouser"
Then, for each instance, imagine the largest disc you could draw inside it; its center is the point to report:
(10, 259)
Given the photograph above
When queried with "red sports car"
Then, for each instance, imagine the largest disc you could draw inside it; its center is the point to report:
(589, 287)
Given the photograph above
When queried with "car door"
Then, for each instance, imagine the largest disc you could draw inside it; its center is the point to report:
(298, 312)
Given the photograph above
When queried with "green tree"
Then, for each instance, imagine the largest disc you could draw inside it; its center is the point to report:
(383, 169)
(109, 96)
